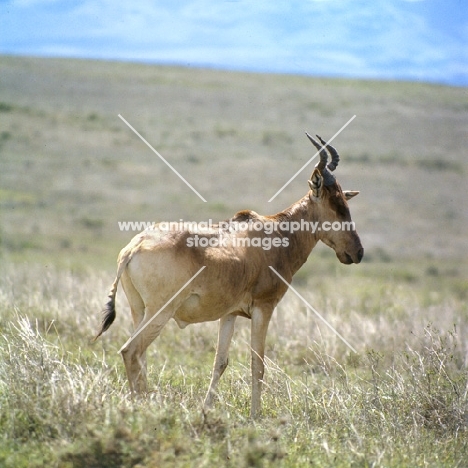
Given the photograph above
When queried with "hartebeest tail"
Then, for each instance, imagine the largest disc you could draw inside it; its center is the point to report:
(109, 309)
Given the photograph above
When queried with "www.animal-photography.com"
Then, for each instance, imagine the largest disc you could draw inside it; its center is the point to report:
(233, 234)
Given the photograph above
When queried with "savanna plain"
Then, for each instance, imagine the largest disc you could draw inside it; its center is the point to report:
(71, 170)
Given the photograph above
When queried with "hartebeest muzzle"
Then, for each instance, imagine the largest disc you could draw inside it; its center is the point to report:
(349, 258)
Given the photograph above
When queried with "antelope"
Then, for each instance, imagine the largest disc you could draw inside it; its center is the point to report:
(238, 278)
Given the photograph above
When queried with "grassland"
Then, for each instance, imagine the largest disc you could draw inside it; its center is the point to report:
(400, 401)
(70, 170)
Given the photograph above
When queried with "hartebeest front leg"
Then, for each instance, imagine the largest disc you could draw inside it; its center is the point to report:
(226, 330)
(259, 327)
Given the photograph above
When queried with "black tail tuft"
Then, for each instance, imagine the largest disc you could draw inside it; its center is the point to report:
(108, 316)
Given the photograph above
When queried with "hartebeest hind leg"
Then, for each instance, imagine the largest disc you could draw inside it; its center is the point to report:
(225, 332)
(137, 307)
(133, 352)
(259, 327)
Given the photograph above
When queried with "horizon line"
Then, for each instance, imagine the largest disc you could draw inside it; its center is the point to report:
(403, 78)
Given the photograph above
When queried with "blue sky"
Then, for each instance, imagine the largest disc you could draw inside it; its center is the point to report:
(424, 40)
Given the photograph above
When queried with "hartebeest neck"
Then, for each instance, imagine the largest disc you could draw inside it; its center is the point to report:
(300, 223)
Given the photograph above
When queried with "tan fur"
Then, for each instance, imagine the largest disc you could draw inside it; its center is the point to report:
(237, 281)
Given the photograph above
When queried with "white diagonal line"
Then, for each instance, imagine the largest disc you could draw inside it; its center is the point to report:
(313, 310)
(162, 308)
(162, 159)
(311, 159)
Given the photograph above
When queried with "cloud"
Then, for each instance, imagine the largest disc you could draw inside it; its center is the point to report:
(380, 39)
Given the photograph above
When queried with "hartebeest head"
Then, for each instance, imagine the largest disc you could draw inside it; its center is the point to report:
(327, 197)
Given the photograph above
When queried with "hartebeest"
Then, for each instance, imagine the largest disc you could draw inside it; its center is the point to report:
(236, 281)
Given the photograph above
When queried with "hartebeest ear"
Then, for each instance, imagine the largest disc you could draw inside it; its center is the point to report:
(316, 183)
(348, 194)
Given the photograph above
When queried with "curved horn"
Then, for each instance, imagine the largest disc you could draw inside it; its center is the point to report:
(335, 158)
(323, 154)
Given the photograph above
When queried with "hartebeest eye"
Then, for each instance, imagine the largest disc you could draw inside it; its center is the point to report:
(338, 204)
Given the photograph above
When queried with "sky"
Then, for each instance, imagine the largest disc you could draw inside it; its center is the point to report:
(417, 40)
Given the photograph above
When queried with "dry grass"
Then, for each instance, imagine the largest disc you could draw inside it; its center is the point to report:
(70, 170)
(401, 401)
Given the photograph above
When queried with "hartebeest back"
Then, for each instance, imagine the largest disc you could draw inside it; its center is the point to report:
(237, 279)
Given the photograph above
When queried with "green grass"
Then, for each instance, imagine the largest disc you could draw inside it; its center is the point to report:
(70, 170)
(400, 401)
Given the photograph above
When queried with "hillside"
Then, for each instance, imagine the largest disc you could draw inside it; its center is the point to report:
(71, 169)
